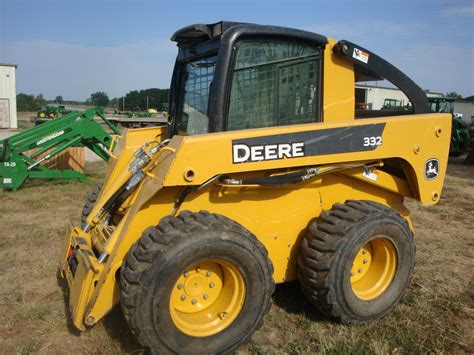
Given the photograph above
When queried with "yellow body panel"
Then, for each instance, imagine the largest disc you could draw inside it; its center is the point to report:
(339, 93)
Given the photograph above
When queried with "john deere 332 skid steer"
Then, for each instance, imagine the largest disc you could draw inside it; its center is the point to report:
(265, 174)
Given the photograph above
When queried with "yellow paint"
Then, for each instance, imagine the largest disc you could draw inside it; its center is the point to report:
(207, 298)
(373, 268)
(338, 86)
(278, 216)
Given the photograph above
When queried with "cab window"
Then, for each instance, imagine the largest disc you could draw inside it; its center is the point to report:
(274, 84)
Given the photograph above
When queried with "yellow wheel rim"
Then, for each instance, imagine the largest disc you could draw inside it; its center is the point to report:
(373, 268)
(207, 298)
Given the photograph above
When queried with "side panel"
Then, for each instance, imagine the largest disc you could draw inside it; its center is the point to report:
(415, 139)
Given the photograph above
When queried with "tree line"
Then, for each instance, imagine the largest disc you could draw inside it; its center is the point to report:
(135, 100)
(141, 100)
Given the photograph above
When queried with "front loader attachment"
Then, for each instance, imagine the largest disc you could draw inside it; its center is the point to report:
(24, 155)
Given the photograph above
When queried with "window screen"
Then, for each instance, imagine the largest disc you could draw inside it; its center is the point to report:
(274, 84)
(192, 118)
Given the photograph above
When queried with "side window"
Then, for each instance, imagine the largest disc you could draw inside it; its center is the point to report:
(274, 84)
(192, 116)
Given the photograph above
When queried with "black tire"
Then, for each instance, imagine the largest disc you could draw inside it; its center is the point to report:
(160, 256)
(90, 202)
(330, 247)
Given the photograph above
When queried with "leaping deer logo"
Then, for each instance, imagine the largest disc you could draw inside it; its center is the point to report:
(431, 169)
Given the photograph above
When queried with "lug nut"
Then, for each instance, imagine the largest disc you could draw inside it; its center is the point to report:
(198, 269)
(364, 251)
(186, 274)
(193, 301)
(352, 273)
(211, 285)
(222, 315)
(183, 297)
(360, 270)
(205, 296)
(180, 286)
(365, 261)
(208, 273)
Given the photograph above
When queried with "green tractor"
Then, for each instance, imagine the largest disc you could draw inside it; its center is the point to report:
(460, 137)
(47, 113)
(395, 105)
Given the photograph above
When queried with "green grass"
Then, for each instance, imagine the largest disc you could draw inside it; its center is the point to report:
(434, 317)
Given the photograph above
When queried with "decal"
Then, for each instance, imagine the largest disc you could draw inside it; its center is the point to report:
(243, 153)
(308, 143)
(10, 164)
(370, 141)
(51, 136)
(7, 180)
(360, 55)
(431, 169)
(370, 175)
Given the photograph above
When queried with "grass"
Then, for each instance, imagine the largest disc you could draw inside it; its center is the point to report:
(435, 315)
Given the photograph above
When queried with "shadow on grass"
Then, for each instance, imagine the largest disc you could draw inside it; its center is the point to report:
(116, 326)
(289, 297)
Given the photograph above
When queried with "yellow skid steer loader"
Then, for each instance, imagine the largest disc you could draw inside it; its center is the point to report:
(265, 174)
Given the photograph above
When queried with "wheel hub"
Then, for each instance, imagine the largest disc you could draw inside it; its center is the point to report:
(373, 268)
(207, 297)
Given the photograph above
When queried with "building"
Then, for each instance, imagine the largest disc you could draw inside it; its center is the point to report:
(466, 108)
(374, 96)
(8, 116)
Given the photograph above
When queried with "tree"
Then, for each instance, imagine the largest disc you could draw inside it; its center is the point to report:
(454, 94)
(59, 100)
(27, 102)
(143, 99)
(100, 98)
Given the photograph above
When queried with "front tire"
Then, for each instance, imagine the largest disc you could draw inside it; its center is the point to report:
(357, 261)
(196, 283)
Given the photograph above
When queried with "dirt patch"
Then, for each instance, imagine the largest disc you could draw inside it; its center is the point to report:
(435, 316)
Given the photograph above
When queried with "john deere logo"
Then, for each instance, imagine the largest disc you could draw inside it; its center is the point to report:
(431, 169)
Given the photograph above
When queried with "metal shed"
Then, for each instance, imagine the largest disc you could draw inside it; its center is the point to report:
(8, 116)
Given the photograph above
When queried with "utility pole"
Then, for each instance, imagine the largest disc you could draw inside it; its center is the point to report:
(147, 102)
(123, 103)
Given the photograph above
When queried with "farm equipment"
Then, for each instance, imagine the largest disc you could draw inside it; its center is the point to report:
(23, 156)
(47, 113)
(265, 175)
(460, 136)
(395, 105)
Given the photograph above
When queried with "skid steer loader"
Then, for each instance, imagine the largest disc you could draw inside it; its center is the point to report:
(265, 174)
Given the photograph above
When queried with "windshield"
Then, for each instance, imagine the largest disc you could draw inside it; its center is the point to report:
(192, 117)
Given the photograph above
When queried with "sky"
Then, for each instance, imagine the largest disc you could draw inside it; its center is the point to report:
(73, 48)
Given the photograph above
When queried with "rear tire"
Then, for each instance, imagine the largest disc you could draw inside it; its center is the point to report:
(357, 261)
(90, 202)
(166, 282)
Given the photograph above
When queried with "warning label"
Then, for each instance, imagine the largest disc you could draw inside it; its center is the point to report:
(360, 55)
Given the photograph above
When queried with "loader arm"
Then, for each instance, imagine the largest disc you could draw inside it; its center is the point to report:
(24, 155)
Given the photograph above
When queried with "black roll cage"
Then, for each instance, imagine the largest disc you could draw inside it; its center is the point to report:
(200, 40)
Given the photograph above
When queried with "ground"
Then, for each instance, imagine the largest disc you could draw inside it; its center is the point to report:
(436, 314)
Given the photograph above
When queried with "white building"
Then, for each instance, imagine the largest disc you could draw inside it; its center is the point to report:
(374, 96)
(8, 117)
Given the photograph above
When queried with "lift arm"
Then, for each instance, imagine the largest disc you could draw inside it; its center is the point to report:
(24, 155)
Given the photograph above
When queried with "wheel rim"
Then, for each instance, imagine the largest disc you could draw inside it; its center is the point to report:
(373, 268)
(207, 298)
